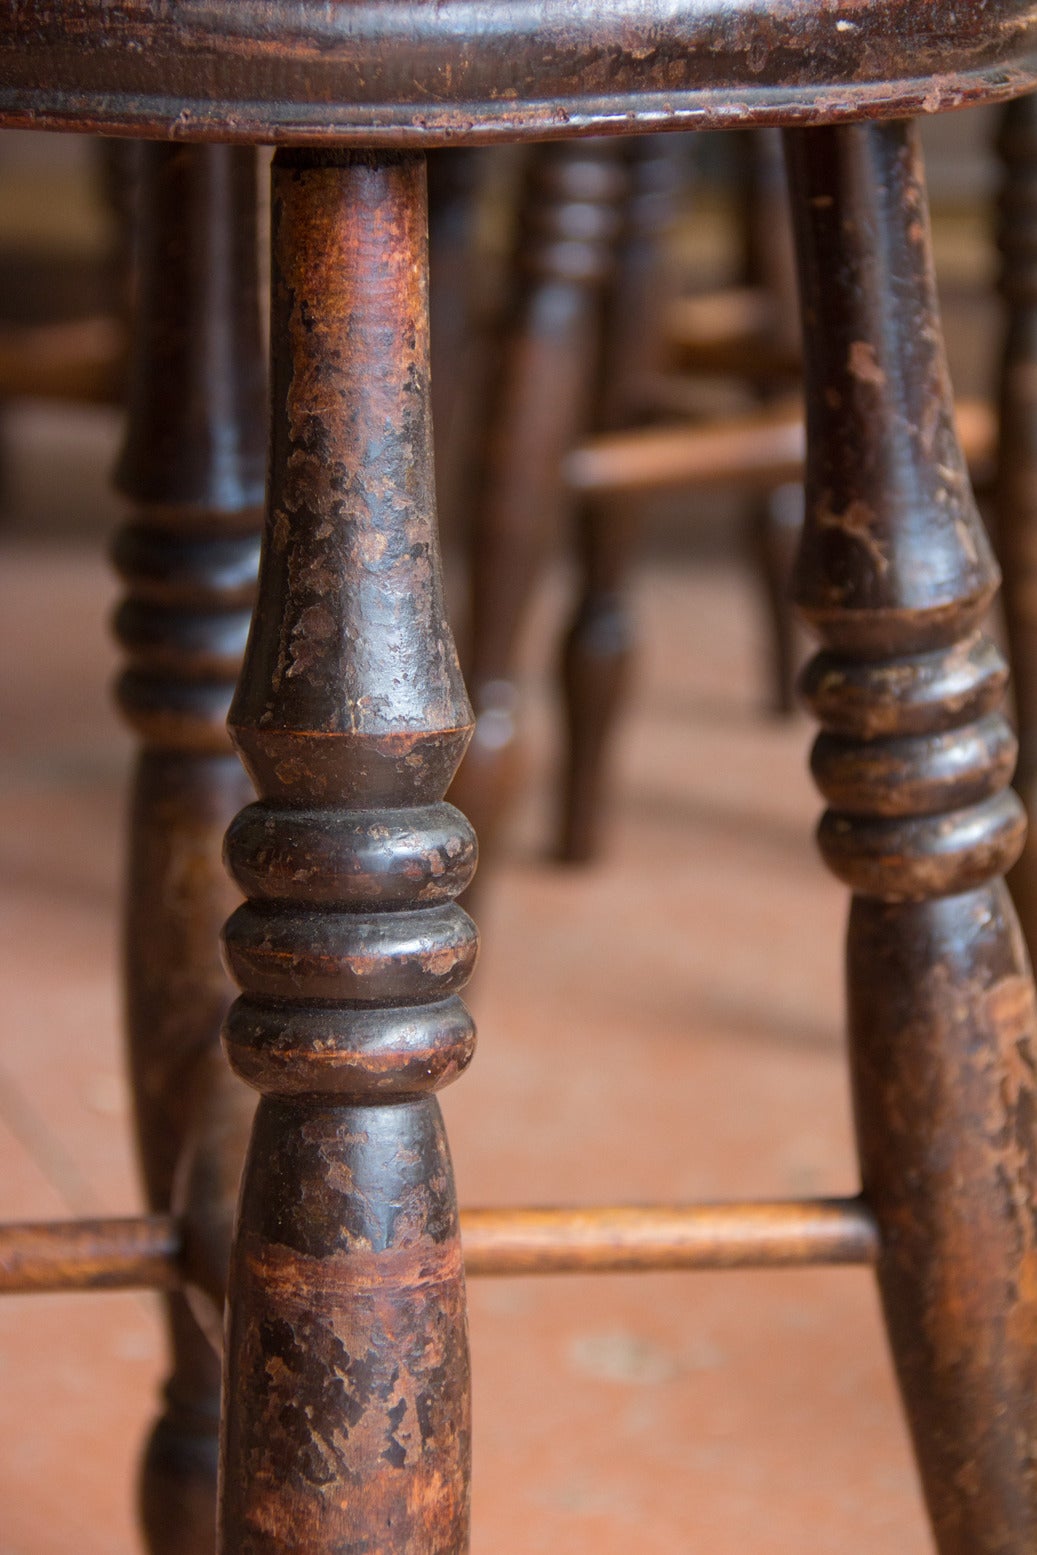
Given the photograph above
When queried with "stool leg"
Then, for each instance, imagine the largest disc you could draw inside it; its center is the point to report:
(346, 1408)
(895, 575)
(541, 405)
(193, 467)
(454, 284)
(1017, 462)
(596, 672)
(777, 520)
(777, 516)
(599, 645)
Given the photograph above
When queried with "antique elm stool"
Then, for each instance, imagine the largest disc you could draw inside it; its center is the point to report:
(345, 1424)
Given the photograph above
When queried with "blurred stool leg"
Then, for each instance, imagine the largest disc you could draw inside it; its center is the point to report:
(541, 402)
(193, 468)
(599, 645)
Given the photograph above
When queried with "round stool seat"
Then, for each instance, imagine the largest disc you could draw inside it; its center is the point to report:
(431, 72)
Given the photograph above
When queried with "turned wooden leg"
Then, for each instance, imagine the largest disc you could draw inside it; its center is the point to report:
(895, 576)
(541, 402)
(193, 467)
(596, 672)
(599, 645)
(346, 1412)
(777, 516)
(1017, 462)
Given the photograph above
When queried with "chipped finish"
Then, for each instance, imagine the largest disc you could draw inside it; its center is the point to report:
(351, 958)
(351, 1358)
(943, 1054)
(925, 774)
(192, 465)
(424, 73)
(346, 1378)
(912, 695)
(405, 859)
(895, 575)
(892, 518)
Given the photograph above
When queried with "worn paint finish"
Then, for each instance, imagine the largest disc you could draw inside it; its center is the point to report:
(915, 759)
(428, 73)
(944, 1064)
(347, 1411)
(353, 1342)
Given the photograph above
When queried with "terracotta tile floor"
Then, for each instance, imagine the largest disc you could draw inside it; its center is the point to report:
(664, 1024)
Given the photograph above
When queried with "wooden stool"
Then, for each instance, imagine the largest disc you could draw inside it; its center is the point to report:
(587, 415)
(345, 1423)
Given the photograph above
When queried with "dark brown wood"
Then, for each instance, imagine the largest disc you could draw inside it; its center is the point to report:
(542, 401)
(346, 1383)
(597, 655)
(1016, 492)
(439, 70)
(150, 1252)
(895, 576)
(192, 466)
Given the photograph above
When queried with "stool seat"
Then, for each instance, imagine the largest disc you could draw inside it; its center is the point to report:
(431, 72)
